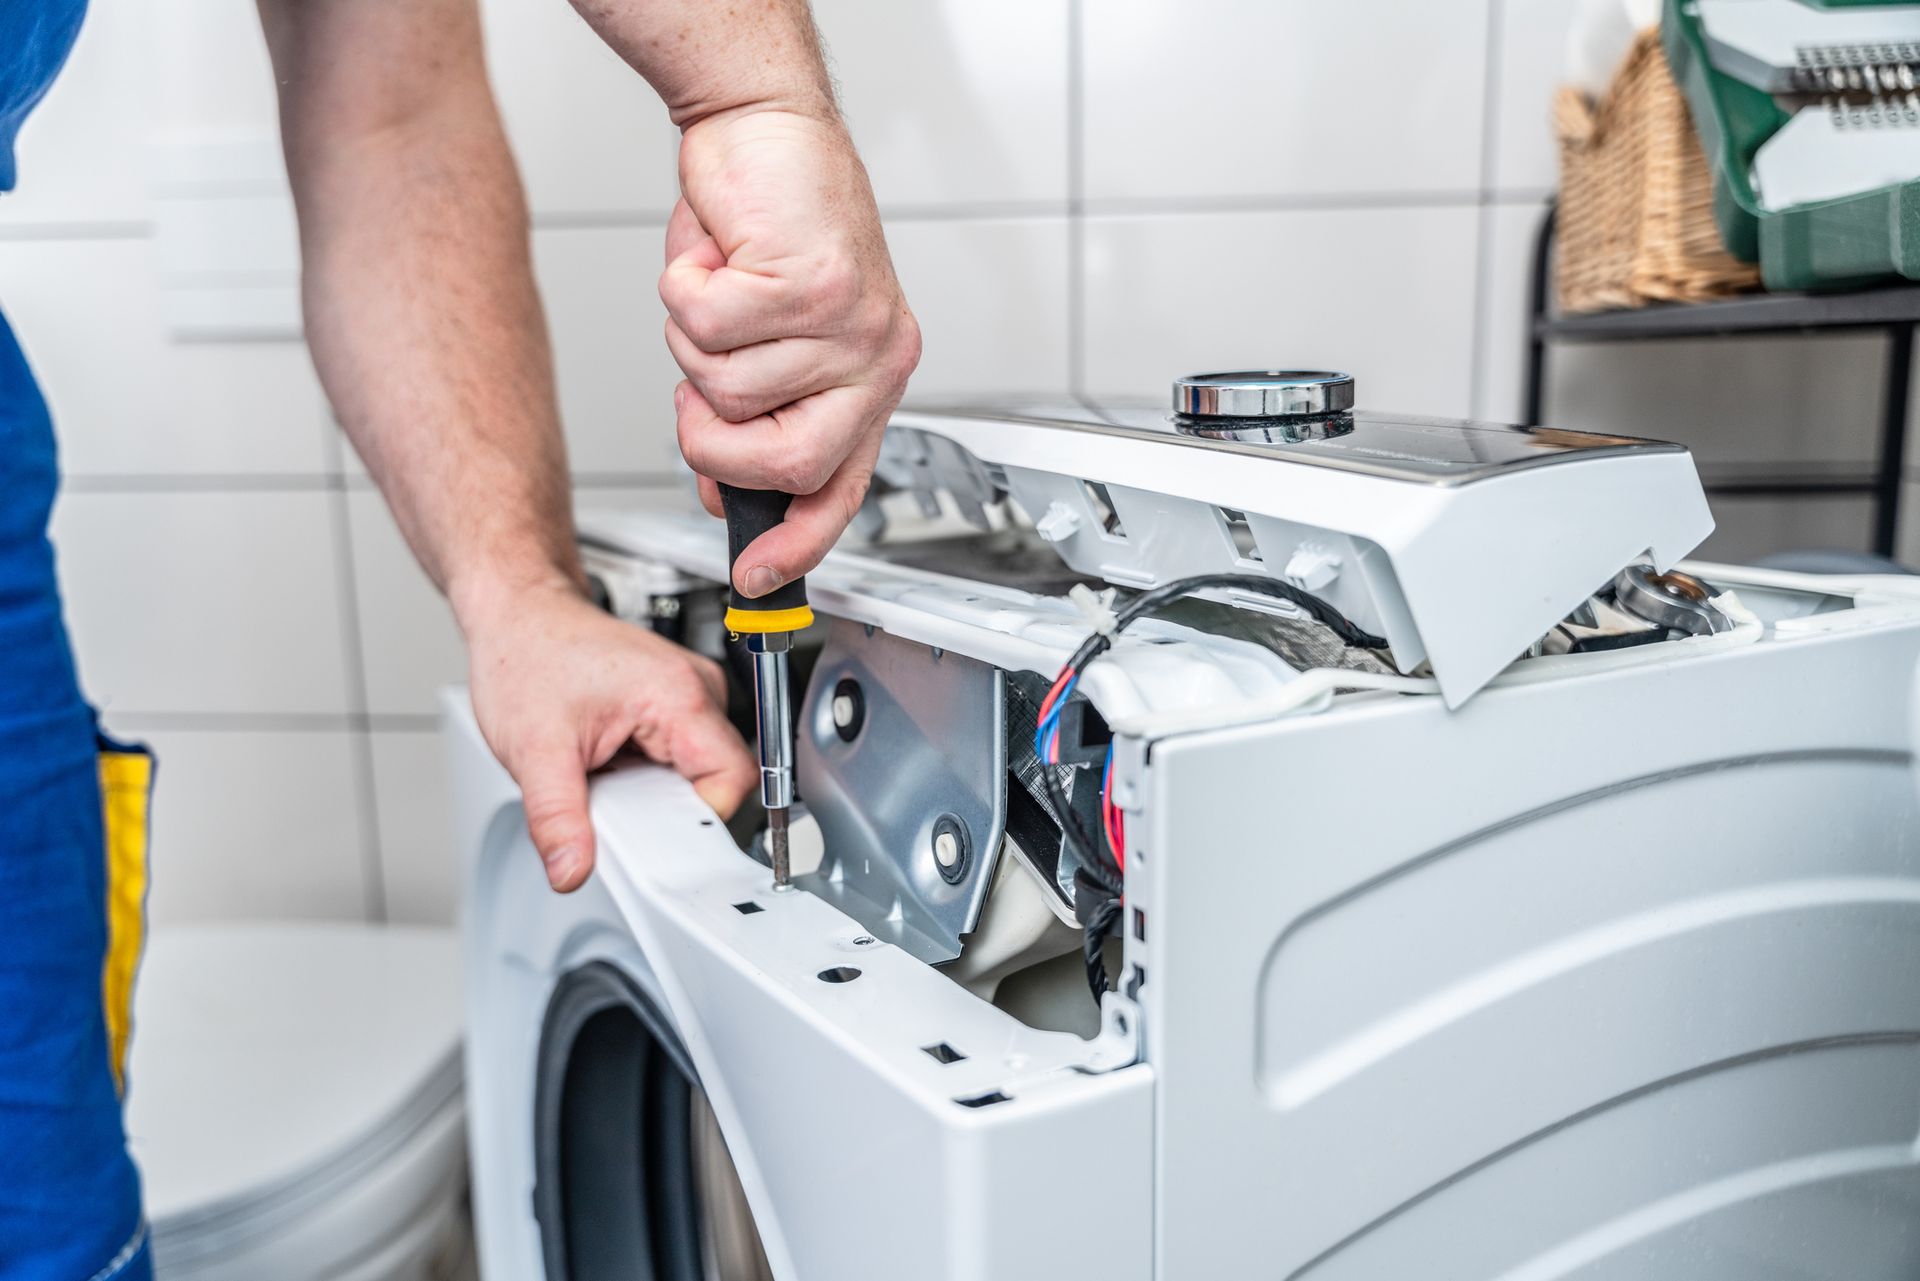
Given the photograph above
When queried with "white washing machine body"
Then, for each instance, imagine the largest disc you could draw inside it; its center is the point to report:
(1602, 963)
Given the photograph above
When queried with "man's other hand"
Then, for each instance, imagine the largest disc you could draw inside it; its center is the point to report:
(784, 313)
(559, 687)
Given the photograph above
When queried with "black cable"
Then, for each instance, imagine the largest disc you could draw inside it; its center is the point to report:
(1156, 597)
(1101, 922)
(1100, 867)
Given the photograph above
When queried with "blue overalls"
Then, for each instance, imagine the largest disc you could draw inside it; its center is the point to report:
(70, 894)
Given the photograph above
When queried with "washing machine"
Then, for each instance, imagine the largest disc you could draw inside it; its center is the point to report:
(1256, 837)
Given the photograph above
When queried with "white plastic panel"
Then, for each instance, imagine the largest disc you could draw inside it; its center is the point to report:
(857, 1159)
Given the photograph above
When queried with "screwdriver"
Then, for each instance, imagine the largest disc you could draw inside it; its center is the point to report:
(768, 623)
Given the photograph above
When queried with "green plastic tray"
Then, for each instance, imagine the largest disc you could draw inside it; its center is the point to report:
(1829, 244)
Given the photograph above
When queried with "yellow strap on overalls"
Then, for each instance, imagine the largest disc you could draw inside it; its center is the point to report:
(126, 786)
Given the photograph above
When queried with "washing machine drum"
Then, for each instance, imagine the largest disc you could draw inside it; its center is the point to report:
(295, 1101)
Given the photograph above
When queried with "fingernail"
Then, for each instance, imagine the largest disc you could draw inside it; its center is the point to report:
(680, 397)
(564, 864)
(760, 580)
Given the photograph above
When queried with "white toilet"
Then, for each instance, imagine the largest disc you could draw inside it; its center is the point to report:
(295, 1103)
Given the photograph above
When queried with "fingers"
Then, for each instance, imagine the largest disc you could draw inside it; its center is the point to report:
(710, 495)
(747, 382)
(713, 676)
(697, 742)
(685, 236)
(553, 790)
(813, 524)
(720, 307)
(796, 449)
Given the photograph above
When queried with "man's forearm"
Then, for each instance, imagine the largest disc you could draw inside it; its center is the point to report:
(705, 59)
(420, 305)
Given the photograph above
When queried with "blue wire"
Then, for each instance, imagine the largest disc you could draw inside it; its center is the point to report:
(1046, 734)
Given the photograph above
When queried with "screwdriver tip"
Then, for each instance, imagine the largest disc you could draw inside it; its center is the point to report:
(777, 848)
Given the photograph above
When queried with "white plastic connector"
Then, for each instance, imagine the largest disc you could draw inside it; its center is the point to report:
(1312, 569)
(1096, 608)
(1058, 523)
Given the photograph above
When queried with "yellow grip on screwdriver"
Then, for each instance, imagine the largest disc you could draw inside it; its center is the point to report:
(751, 513)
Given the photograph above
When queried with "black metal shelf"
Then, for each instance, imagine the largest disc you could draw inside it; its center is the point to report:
(1759, 314)
(1893, 310)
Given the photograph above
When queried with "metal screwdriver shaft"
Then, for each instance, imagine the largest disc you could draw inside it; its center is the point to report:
(768, 622)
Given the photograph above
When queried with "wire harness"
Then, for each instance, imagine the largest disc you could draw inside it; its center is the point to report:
(1101, 878)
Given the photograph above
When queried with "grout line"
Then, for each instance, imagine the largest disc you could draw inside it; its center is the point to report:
(910, 211)
(127, 230)
(314, 483)
(353, 653)
(1076, 199)
(1519, 195)
(599, 220)
(275, 722)
(196, 482)
(1332, 202)
(976, 211)
(1483, 273)
(627, 480)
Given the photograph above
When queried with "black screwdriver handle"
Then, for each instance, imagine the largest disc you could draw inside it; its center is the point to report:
(751, 513)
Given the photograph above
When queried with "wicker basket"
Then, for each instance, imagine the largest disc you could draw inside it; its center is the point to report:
(1636, 196)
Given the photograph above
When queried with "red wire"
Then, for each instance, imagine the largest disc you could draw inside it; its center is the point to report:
(1059, 682)
(1114, 824)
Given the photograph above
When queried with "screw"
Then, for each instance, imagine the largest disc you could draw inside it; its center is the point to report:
(952, 850)
(848, 707)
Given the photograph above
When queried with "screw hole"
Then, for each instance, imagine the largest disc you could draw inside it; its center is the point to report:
(839, 974)
(983, 1100)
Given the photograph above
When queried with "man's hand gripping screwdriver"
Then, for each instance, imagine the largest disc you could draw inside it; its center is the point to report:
(768, 623)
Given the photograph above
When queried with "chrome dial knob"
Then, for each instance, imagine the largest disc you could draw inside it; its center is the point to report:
(1264, 393)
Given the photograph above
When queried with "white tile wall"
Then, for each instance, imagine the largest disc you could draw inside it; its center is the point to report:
(261, 824)
(83, 159)
(416, 851)
(1385, 293)
(991, 298)
(600, 285)
(955, 102)
(211, 601)
(1530, 53)
(134, 402)
(409, 642)
(591, 138)
(1080, 195)
(1283, 100)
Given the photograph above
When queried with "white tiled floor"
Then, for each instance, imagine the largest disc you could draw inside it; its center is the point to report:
(1386, 294)
(209, 602)
(256, 824)
(130, 402)
(954, 102)
(1282, 98)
